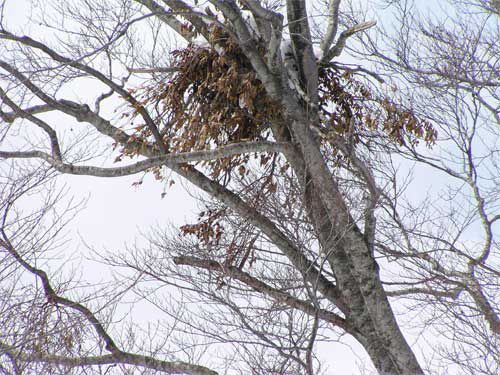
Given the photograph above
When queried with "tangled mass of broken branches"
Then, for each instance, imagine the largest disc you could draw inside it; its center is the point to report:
(215, 98)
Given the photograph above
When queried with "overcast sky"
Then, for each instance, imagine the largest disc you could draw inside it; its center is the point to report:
(117, 212)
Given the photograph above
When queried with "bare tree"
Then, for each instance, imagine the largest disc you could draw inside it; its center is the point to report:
(447, 69)
(308, 229)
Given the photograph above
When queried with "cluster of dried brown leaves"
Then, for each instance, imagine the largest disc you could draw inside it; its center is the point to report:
(215, 98)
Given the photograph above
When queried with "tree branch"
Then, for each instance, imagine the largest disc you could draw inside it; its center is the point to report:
(300, 34)
(249, 46)
(53, 297)
(54, 142)
(27, 41)
(280, 240)
(156, 161)
(182, 8)
(331, 31)
(337, 49)
(278, 295)
(168, 18)
(34, 110)
(123, 358)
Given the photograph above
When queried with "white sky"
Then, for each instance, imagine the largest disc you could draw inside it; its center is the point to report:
(116, 213)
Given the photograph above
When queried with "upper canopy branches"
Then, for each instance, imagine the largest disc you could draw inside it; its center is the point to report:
(252, 102)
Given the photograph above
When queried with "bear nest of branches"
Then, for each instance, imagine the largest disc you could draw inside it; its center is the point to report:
(215, 98)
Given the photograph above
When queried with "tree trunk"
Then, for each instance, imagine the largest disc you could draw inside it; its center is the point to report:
(364, 301)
